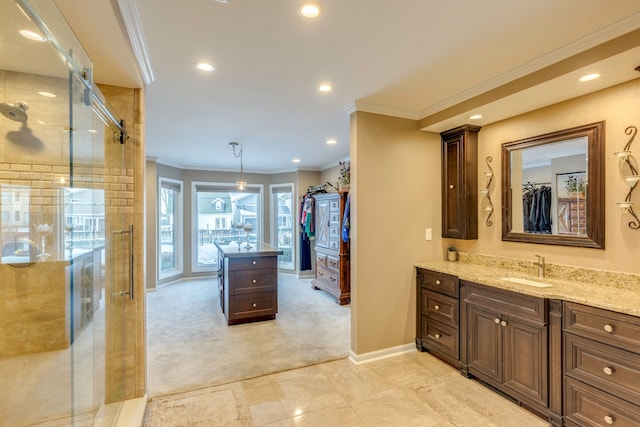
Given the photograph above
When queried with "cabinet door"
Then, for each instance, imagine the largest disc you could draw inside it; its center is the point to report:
(323, 220)
(525, 360)
(485, 343)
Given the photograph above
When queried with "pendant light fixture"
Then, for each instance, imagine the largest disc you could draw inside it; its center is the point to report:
(241, 183)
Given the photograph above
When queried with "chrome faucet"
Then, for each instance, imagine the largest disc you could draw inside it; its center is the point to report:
(540, 264)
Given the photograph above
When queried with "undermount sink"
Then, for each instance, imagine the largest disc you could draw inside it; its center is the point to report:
(523, 281)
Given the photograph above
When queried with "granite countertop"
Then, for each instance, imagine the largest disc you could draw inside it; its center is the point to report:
(233, 250)
(616, 294)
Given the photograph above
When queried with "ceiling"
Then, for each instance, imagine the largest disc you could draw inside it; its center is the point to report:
(432, 61)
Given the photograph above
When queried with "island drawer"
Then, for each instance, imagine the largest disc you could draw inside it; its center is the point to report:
(440, 337)
(251, 281)
(617, 329)
(588, 406)
(607, 368)
(440, 307)
(255, 305)
(440, 282)
(247, 263)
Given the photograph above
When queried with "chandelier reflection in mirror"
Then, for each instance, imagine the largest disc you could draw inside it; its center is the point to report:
(241, 183)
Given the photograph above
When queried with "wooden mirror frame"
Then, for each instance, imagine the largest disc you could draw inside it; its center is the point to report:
(595, 191)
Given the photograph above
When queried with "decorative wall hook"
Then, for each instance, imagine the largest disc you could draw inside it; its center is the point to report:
(488, 207)
(629, 168)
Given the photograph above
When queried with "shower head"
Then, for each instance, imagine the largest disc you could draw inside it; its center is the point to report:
(16, 112)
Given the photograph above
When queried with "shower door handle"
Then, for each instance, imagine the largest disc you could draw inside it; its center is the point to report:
(131, 278)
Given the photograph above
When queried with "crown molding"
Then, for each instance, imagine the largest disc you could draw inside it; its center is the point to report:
(592, 40)
(387, 111)
(131, 18)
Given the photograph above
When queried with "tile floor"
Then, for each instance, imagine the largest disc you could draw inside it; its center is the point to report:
(413, 389)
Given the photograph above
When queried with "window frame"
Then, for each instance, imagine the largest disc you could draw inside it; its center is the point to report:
(179, 227)
(275, 221)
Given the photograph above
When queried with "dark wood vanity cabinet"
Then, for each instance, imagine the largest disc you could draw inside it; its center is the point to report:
(601, 367)
(437, 322)
(506, 342)
(460, 182)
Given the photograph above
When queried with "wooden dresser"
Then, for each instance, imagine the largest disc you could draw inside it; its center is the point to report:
(248, 282)
(332, 254)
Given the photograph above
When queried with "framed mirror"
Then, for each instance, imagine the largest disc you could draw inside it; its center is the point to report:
(553, 188)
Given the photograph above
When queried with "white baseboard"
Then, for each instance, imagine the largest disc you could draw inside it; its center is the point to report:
(358, 359)
(132, 412)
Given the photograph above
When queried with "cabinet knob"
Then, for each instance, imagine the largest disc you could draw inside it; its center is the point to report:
(253, 281)
(496, 320)
(437, 282)
(451, 186)
(607, 370)
(436, 307)
(503, 323)
(438, 336)
(608, 419)
(254, 262)
(608, 328)
(254, 305)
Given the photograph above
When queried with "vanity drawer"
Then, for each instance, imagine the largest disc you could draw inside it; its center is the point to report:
(251, 281)
(617, 329)
(247, 263)
(440, 337)
(607, 368)
(440, 282)
(587, 406)
(440, 307)
(521, 306)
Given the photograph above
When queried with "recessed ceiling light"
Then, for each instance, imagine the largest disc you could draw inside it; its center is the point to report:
(296, 160)
(589, 77)
(32, 35)
(309, 9)
(205, 67)
(475, 117)
(332, 141)
(47, 94)
(325, 87)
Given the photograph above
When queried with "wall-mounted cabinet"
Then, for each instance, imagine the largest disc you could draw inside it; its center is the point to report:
(460, 182)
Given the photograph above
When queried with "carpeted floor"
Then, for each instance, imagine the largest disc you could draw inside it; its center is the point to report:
(190, 346)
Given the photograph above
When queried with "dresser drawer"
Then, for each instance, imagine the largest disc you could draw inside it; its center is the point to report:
(333, 263)
(440, 307)
(252, 281)
(440, 337)
(321, 260)
(617, 329)
(334, 217)
(607, 368)
(588, 406)
(328, 276)
(256, 305)
(334, 205)
(440, 282)
(251, 263)
(334, 244)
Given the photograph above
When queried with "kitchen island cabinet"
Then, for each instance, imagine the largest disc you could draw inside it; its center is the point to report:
(248, 282)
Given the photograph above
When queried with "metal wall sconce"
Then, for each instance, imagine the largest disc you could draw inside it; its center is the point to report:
(487, 204)
(629, 168)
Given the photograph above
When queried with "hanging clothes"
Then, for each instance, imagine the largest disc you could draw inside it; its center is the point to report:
(536, 209)
(305, 252)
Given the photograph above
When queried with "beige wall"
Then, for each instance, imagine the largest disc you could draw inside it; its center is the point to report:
(395, 174)
(618, 107)
(395, 195)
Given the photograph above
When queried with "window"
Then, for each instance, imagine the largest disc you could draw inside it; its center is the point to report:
(282, 233)
(169, 228)
(220, 213)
